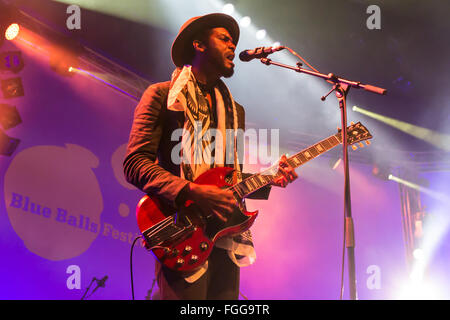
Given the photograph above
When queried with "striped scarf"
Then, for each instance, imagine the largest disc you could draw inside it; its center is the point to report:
(196, 147)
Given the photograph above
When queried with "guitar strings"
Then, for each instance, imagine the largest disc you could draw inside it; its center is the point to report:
(161, 225)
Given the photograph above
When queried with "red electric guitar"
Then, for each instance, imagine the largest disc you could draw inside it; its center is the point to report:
(183, 240)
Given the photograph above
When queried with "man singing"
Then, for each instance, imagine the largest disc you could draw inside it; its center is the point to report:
(195, 100)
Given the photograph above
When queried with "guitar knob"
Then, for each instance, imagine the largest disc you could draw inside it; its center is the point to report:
(179, 263)
(367, 142)
(354, 147)
(361, 145)
(193, 259)
(204, 246)
(175, 252)
(187, 249)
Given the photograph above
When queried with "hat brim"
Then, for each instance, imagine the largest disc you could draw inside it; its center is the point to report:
(182, 50)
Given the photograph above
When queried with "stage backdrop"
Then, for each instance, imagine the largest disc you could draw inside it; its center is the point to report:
(68, 215)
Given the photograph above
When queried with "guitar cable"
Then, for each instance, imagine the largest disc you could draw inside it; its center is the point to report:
(131, 266)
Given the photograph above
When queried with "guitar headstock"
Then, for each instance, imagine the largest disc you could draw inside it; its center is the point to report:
(357, 132)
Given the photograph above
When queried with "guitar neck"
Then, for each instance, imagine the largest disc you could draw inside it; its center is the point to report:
(262, 179)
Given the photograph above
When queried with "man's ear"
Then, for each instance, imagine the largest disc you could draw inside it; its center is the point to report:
(198, 46)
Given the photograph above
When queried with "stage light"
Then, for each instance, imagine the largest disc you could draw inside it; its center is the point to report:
(418, 254)
(261, 34)
(62, 66)
(420, 290)
(103, 79)
(437, 139)
(7, 144)
(228, 9)
(12, 31)
(9, 117)
(245, 21)
(64, 56)
(12, 88)
(9, 29)
(434, 194)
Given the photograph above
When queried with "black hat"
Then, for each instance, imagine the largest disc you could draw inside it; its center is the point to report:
(182, 49)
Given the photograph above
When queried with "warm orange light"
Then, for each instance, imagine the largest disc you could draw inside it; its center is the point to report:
(12, 31)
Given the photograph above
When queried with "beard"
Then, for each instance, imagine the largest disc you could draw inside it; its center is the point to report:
(221, 64)
(227, 72)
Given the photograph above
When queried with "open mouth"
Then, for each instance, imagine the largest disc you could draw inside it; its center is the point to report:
(230, 57)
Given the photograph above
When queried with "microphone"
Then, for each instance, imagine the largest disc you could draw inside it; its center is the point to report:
(101, 282)
(258, 53)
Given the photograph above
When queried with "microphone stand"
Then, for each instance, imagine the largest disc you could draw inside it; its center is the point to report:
(341, 87)
(87, 289)
(100, 284)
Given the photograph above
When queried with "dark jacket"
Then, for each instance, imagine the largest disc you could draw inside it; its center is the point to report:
(148, 163)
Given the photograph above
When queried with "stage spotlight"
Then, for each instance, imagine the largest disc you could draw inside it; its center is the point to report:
(434, 194)
(9, 117)
(419, 289)
(228, 9)
(261, 34)
(12, 88)
(9, 28)
(437, 139)
(64, 57)
(63, 64)
(12, 31)
(245, 21)
(7, 144)
(418, 254)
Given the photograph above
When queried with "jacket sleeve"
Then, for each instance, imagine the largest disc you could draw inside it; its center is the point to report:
(140, 164)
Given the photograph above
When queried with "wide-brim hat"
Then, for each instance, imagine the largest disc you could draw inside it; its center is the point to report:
(182, 49)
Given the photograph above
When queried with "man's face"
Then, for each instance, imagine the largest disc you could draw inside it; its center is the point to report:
(220, 51)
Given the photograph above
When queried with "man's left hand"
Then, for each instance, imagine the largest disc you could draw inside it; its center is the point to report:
(288, 173)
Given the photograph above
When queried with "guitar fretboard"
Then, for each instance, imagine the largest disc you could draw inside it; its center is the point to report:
(262, 179)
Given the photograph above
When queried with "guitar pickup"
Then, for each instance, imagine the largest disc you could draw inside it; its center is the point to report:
(168, 230)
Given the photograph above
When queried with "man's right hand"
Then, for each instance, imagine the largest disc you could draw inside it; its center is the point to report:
(212, 199)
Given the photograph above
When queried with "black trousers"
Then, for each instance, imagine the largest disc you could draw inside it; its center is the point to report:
(219, 282)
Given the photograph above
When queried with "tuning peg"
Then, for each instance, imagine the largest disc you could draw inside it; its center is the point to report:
(367, 142)
(361, 145)
(354, 147)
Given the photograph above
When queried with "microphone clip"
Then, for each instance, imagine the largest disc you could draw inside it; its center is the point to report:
(262, 52)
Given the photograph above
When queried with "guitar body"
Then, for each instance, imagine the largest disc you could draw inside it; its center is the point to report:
(183, 240)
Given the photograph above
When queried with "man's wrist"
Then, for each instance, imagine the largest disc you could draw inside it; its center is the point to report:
(183, 195)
